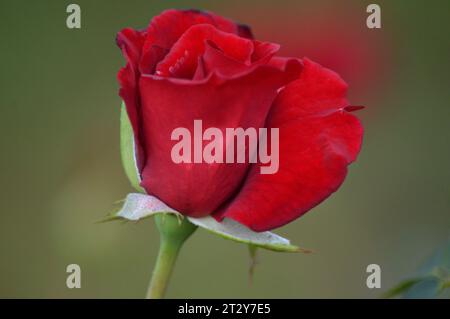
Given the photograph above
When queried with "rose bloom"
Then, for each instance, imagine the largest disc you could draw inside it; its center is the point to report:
(190, 65)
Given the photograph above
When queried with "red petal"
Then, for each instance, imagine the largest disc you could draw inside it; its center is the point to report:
(165, 29)
(318, 139)
(264, 51)
(216, 60)
(318, 92)
(168, 103)
(182, 58)
(130, 41)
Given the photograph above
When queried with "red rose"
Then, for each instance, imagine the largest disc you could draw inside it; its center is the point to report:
(190, 65)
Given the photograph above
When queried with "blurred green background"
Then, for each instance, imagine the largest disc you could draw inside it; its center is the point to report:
(61, 168)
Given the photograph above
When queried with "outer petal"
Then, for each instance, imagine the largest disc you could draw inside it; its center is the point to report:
(131, 41)
(242, 101)
(318, 139)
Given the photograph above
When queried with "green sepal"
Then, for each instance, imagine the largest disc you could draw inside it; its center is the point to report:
(139, 206)
(173, 228)
(128, 150)
(232, 230)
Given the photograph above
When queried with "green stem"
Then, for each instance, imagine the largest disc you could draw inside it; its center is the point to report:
(163, 269)
(173, 233)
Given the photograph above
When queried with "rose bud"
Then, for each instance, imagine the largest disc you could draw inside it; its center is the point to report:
(188, 66)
